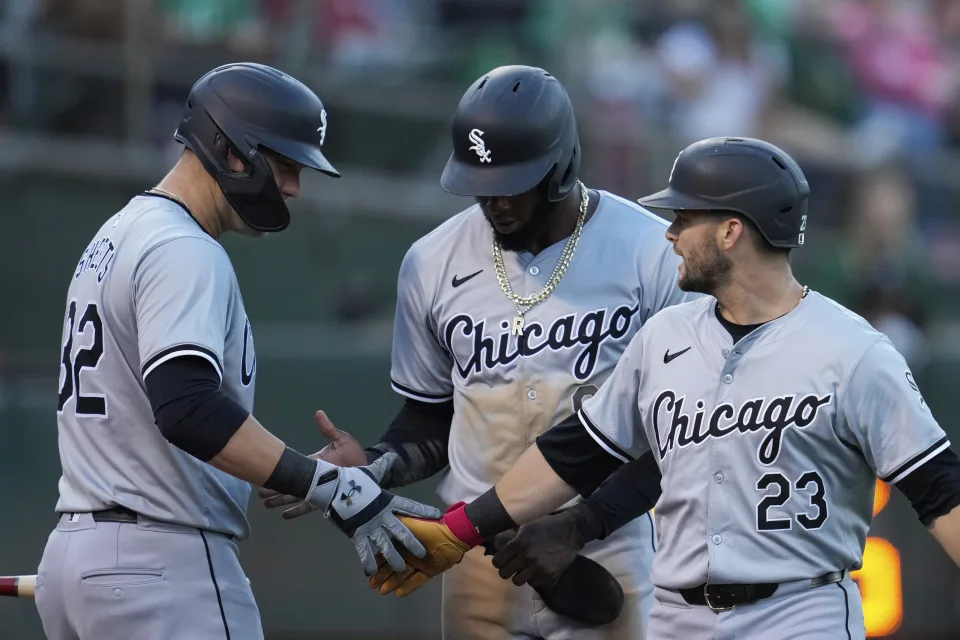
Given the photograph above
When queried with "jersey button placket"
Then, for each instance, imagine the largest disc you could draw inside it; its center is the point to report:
(718, 507)
(528, 407)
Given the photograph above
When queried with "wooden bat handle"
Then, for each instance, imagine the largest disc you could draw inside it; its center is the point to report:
(17, 586)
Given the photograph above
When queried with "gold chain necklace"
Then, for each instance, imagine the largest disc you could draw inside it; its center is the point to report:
(171, 196)
(525, 303)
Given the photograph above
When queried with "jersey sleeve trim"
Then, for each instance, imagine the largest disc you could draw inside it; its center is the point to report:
(917, 461)
(422, 396)
(177, 352)
(602, 439)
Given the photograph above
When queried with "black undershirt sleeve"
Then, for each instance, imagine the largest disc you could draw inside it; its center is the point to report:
(419, 435)
(631, 491)
(934, 488)
(576, 457)
(189, 408)
(194, 415)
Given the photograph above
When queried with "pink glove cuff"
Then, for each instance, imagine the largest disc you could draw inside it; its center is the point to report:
(459, 524)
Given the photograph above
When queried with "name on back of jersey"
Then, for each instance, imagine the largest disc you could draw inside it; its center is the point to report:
(97, 257)
(476, 351)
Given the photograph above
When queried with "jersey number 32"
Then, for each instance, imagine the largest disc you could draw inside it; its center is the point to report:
(88, 357)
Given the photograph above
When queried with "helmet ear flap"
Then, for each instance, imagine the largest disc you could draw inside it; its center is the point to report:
(570, 174)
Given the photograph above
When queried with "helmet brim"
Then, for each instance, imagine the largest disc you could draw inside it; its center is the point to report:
(461, 179)
(306, 154)
(671, 200)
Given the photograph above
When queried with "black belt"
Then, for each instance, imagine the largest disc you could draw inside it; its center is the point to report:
(122, 514)
(723, 597)
(115, 514)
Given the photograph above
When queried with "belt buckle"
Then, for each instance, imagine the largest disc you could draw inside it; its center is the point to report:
(715, 609)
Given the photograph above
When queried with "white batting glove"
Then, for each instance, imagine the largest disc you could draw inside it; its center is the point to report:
(352, 498)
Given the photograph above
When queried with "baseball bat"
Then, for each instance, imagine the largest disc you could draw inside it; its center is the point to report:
(17, 586)
(23, 586)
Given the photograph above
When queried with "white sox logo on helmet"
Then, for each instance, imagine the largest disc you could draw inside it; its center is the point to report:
(323, 125)
(479, 145)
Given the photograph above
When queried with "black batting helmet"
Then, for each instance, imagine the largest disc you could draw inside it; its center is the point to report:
(513, 130)
(246, 107)
(751, 177)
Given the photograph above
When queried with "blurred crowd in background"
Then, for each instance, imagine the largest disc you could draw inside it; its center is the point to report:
(865, 93)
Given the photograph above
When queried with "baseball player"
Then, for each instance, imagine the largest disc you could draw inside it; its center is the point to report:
(769, 410)
(509, 316)
(157, 442)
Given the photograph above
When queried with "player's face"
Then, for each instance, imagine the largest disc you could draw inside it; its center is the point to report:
(516, 220)
(705, 267)
(287, 174)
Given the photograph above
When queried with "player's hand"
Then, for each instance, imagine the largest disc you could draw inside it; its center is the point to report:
(545, 555)
(343, 451)
(446, 541)
(540, 552)
(353, 500)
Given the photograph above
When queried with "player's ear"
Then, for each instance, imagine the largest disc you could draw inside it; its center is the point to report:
(234, 162)
(729, 231)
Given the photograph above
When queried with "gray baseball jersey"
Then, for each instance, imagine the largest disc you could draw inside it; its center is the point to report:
(769, 449)
(151, 286)
(453, 333)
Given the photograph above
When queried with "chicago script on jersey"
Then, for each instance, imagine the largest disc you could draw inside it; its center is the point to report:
(753, 415)
(592, 330)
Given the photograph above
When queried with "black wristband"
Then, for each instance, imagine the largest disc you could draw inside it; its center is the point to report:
(293, 474)
(488, 515)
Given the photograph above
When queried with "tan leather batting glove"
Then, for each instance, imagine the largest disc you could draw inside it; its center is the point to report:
(446, 541)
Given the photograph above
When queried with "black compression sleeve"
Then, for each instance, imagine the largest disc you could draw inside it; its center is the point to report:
(934, 488)
(419, 435)
(190, 410)
(576, 457)
(627, 494)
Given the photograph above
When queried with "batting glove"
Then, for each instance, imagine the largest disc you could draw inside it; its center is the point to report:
(353, 500)
(446, 540)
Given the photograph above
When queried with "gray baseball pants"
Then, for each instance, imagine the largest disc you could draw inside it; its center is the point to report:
(146, 580)
(794, 612)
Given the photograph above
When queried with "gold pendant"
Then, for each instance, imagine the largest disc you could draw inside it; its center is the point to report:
(517, 325)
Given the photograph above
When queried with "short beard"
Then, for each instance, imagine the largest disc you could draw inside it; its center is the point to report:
(523, 238)
(708, 271)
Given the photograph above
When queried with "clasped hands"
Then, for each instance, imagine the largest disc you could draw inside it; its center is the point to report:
(350, 495)
(430, 542)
